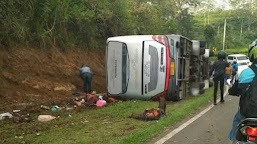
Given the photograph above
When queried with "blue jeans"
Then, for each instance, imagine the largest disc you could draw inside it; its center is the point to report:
(87, 78)
(237, 119)
(226, 78)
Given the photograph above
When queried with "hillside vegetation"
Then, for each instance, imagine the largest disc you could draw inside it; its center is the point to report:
(31, 77)
(88, 23)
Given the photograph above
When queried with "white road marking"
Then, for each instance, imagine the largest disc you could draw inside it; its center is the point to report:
(181, 127)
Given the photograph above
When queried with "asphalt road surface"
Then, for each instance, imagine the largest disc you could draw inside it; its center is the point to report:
(211, 128)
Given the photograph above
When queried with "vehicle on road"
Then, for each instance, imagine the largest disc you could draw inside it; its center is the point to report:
(241, 59)
(145, 66)
(247, 130)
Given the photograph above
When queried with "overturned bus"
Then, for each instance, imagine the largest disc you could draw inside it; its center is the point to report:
(144, 66)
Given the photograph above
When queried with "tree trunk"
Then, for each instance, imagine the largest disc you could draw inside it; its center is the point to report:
(218, 29)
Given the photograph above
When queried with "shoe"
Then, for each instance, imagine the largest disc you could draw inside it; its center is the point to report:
(222, 101)
(215, 103)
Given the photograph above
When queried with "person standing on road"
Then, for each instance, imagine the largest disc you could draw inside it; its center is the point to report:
(219, 67)
(86, 74)
(246, 89)
(234, 71)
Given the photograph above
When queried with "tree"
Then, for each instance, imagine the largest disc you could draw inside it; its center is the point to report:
(209, 34)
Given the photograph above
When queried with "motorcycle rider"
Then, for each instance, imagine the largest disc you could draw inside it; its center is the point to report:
(219, 67)
(244, 81)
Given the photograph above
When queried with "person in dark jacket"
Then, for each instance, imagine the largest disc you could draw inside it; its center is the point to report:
(219, 68)
(245, 79)
(86, 74)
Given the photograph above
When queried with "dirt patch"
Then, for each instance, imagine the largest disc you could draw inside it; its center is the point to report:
(33, 76)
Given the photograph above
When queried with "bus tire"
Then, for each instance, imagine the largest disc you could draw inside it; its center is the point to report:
(202, 91)
(210, 84)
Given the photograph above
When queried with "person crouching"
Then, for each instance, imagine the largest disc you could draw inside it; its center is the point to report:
(86, 74)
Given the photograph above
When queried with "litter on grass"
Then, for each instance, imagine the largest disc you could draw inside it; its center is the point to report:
(44, 118)
(5, 115)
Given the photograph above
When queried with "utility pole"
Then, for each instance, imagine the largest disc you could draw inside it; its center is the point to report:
(224, 35)
(219, 29)
(241, 32)
(204, 20)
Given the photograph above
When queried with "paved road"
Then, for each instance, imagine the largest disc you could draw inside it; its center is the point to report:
(211, 128)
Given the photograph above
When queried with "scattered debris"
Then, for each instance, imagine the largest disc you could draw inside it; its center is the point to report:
(76, 94)
(79, 102)
(5, 115)
(69, 108)
(45, 107)
(101, 103)
(98, 100)
(18, 118)
(55, 108)
(94, 99)
(91, 99)
(16, 111)
(113, 100)
(44, 118)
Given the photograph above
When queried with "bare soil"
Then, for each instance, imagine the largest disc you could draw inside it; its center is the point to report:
(30, 77)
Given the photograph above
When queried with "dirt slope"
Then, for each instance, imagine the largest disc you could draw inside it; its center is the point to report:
(32, 76)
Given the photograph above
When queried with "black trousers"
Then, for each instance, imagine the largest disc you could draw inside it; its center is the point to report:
(217, 80)
(233, 76)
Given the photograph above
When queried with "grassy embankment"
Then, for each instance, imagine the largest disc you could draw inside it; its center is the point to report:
(101, 125)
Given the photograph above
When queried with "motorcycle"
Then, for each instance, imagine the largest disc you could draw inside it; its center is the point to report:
(247, 131)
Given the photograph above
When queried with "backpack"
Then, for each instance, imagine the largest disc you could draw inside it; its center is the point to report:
(234, 90)
(228, 70)
(248, 101)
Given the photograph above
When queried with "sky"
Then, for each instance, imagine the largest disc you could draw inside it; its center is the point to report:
(223, 4)
(218, 4)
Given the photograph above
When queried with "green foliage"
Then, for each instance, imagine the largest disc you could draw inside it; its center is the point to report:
(236, 51)
(240, 29)
(88, 23)
(209, 34)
